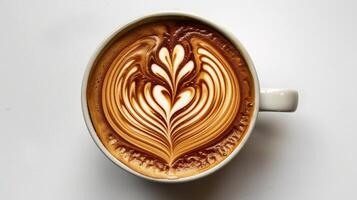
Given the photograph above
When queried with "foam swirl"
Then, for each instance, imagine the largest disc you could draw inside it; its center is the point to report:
(168, 105)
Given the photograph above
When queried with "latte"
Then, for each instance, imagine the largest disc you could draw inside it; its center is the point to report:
(170, 98)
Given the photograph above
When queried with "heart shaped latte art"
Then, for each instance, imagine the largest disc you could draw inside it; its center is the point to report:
(174, 105)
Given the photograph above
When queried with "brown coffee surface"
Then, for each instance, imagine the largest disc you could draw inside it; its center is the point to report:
(170, 98)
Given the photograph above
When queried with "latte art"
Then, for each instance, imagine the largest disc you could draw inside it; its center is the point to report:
(170, 99)
(175, 110)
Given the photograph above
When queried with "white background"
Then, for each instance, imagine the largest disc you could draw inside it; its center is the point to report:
(47, 153)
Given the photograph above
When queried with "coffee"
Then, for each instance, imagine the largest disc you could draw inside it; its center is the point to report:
(170, 97)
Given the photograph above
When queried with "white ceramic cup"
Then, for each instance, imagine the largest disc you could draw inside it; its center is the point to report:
(275, 100)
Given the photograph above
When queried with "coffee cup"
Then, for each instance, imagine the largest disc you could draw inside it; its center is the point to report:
(274, 100)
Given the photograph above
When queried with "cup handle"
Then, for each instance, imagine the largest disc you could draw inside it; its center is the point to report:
(278, 100)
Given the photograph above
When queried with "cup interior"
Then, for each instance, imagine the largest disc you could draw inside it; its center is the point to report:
(145, 19)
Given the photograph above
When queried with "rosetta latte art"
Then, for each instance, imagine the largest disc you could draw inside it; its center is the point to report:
(169, 103)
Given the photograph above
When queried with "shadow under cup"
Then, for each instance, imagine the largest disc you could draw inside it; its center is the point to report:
(119, 134)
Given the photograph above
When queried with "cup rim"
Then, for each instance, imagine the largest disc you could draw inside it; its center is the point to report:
(103, 44)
